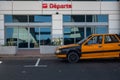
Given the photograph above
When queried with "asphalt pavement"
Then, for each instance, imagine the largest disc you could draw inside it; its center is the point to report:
(56, 69)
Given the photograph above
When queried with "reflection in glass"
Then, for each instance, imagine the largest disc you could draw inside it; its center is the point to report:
(89, 18)
(110, 0)
(74, 18)
(57, 0)
(78, 18)
(68, 39)
(8, 18)
(34, 37)
(73, 35)
(79, 34)
(40, 18)
(11, 36)
(95, 40)
(96, 18)
(88, 31)
(102, 18)
(23, 37)
(45, 36)
(101, 29)
(66, 18)
(20, 18)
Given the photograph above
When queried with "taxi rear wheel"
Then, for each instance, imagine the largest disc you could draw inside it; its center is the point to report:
(73, 57)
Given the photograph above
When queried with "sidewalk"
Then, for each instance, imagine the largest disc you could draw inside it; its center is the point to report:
(28, 56)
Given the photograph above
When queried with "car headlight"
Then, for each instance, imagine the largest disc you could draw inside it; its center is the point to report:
(58, 51)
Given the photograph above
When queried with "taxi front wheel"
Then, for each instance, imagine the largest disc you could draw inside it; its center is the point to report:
(73, 57)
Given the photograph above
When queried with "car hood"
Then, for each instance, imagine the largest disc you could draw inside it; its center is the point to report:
(68, 46)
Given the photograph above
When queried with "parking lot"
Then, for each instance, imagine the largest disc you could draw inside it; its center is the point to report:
(55, 69)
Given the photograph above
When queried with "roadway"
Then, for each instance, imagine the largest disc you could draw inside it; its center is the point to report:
(55, 69)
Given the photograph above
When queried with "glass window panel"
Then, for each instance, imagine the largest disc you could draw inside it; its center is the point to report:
(68, 38)
(78, 18)
(34, 37)
(56, 0)
(11, 36)
(85, 0)
(79, 34)
(40, 18)
(110, 39)
(89, 18)
(45, 36)
(66, 18)
(88, 31)
(73, 35)
(102, 18)
(74, 18)
(20, 18)
(95, 0)
(8, 18)
(23, 37)
(95, 40)
(110, 0)
(101, 29)
(21, 0)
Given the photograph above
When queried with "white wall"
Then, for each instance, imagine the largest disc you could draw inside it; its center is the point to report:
(1, 29)
(57, 25)
(35, 7)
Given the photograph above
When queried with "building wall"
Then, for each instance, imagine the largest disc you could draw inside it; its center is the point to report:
(2, 29)
(81, 7)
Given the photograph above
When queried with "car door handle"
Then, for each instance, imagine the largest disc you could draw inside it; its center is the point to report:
(99, 46)
(118, 44)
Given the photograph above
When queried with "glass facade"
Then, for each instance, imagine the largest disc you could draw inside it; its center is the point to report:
(73, 34)
(25, 37)
(27, 18)
(35, 36)
(28, 36)
(85, 18)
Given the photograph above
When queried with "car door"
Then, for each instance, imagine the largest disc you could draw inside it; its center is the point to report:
(92, 48)
(111, 46)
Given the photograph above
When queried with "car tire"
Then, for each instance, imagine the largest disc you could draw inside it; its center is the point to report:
(73, 57)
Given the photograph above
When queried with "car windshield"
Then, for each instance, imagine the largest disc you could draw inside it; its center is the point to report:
(83, 40)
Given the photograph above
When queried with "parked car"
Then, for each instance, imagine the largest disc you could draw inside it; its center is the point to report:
(95, 46)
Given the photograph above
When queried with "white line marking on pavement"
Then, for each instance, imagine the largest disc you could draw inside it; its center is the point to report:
(44, 66)
(37, 63)
(0, 62)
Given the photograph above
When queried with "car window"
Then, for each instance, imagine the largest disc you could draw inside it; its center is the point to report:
(110, 39)
(95, 40)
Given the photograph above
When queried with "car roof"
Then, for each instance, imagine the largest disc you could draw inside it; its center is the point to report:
(102, 34)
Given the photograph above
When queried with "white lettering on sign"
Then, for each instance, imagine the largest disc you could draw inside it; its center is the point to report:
(56, 6)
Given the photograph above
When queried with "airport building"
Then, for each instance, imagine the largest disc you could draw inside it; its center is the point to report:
(30, 24)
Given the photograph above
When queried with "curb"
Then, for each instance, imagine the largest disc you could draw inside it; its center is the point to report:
(42, 56)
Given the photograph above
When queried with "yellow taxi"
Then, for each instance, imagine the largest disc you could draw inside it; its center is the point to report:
(95, 46)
